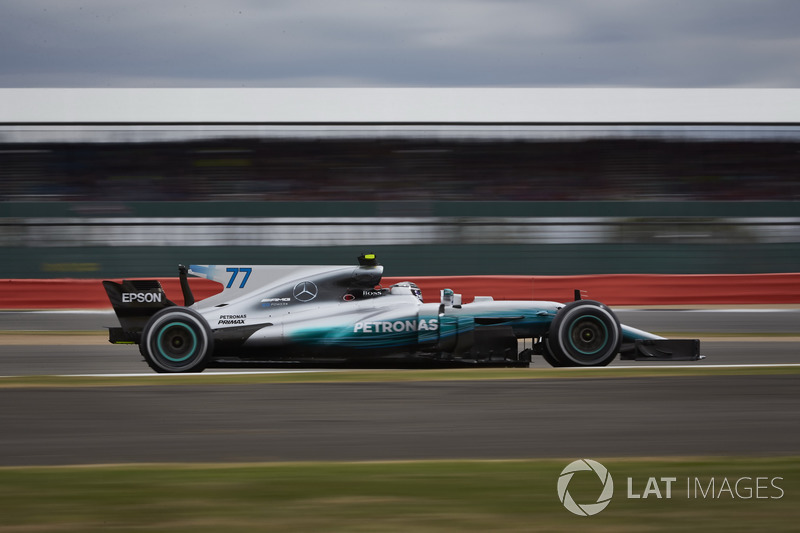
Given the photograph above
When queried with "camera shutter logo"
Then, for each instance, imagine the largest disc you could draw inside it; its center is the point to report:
(587, 509)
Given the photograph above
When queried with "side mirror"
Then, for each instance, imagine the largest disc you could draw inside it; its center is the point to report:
(450, 298)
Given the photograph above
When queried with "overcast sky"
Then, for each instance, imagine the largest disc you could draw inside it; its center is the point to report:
(400, 43)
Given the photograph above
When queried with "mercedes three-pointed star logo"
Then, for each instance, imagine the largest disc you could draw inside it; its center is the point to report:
(305, 291)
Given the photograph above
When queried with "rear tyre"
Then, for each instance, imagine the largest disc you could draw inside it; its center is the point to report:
(176, 339)
(584, 333)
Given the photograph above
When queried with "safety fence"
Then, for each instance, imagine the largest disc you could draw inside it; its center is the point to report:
(612, 289)
(376, 231)
(423, 238)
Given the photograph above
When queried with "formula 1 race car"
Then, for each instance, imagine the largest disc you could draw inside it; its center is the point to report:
(322, 315)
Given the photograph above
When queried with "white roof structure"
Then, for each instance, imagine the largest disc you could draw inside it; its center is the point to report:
(400, 106)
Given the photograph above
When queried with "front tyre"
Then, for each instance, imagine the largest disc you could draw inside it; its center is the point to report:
(584, 333)
(176, 339)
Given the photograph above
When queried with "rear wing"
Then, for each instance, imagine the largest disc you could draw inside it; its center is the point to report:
(134, 302)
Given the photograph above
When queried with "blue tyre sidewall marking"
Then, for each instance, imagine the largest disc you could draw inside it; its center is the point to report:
(187, 328)
(594, 319)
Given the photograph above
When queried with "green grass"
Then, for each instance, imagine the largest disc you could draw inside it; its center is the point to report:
(401, 496)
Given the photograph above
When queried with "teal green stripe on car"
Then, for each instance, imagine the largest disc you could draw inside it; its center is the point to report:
(630, 334)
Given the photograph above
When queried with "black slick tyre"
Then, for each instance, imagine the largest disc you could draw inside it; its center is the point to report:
(176, 339)
(547, 354)
(584, 333)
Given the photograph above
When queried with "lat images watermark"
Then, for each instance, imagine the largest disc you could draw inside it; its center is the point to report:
(665, 488)
(586, 509)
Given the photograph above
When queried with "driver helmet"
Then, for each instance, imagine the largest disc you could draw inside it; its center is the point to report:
(406, 287)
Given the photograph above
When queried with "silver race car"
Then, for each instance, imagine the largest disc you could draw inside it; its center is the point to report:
(340, 315)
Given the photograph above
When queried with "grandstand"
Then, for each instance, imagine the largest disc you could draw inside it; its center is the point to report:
(756, 166)
(566, 181)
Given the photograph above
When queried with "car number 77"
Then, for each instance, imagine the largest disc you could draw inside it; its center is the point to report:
(235, 272)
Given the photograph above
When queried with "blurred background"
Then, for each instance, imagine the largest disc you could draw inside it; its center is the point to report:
(127, 200)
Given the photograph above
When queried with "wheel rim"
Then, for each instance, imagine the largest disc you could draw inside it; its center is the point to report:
(176, 342)
(588, 335)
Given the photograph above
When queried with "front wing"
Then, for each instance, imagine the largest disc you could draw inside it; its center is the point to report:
(661, 350)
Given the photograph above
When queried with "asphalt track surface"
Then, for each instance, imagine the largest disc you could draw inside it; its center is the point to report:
(599, 416)
(125, 359)
(722, 415)
(102, 358)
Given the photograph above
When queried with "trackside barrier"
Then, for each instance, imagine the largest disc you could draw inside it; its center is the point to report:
(83, 293)
(612, 289)
(623, 289)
